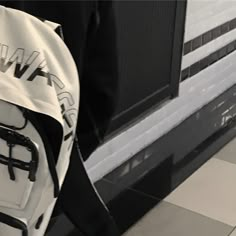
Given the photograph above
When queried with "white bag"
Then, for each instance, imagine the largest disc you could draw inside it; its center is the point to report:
(39, 100)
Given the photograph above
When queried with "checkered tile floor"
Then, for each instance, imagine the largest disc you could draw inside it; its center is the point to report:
(204, 205)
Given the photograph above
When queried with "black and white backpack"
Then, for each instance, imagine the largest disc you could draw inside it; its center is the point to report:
(39, 100)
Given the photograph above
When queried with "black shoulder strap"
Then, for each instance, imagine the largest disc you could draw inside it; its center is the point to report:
(80, 202)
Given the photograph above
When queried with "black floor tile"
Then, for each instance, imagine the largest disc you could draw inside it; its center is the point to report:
(197, 42)
(187, 47)
(225, 28)
(216, 32)
(207, 37)
(194, 69)
(232, 24)
(230, 47)
(204, 63)
(185, 74)
(213, 58)
(222, 52)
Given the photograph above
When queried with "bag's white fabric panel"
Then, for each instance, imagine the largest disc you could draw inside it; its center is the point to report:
(38, 74)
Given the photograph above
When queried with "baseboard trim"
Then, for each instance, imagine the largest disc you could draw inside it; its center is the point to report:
(149, 176)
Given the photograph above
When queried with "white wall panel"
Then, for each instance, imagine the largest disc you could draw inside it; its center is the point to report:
(204, 15)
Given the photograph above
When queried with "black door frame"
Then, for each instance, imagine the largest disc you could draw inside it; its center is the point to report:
(170, 91)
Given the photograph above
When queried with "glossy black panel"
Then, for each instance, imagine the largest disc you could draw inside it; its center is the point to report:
(129, 207)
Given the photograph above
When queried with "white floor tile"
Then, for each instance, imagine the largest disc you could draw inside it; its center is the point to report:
(233, 233)
(210, 191)
(169, 220)
(228, 153)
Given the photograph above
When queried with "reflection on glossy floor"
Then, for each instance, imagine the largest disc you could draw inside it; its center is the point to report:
(205, 204)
